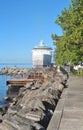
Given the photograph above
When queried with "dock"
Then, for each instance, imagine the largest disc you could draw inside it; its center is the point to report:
(33, 77)
(19, 82)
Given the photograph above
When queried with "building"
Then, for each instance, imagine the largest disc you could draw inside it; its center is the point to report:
(41, 55)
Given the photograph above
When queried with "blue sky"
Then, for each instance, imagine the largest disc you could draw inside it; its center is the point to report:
(24, 23)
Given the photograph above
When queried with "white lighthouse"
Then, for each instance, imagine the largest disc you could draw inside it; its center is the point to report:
(41, 55)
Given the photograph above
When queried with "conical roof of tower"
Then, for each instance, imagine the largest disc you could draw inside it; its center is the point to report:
(42, 46)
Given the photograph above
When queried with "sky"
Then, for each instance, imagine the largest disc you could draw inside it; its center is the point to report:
(24, 23)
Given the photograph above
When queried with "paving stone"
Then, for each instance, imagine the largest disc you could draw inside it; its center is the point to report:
(70, 115)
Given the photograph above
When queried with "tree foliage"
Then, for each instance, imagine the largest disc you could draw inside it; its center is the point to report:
(69, 46)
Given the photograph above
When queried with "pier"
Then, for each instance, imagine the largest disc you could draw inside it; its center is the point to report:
(19, 82)
(33, 77)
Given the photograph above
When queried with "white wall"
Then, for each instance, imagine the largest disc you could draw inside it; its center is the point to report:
(41, 56)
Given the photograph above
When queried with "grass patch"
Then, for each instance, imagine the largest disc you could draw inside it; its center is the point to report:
(77, 73)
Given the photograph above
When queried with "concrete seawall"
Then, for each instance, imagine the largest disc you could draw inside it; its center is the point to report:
(56, 119)
(68, 114)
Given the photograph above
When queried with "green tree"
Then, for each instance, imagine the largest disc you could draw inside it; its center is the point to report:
(69, 46)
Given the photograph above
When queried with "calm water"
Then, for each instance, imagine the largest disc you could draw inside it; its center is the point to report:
(3, 87)
(4, 78)
(19, 65)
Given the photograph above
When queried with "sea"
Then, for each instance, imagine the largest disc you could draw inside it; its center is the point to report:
(4, 78)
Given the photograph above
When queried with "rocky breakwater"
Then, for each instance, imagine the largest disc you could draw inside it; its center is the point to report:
(14, 71)
(33, 108)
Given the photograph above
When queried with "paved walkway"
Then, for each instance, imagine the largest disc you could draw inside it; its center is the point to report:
(69, 111)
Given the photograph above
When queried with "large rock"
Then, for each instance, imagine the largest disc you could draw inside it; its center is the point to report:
(33, 108)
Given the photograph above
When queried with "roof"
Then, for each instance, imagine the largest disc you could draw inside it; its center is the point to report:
(42, 46)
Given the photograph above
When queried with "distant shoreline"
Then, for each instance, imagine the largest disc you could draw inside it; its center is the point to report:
(18, 65)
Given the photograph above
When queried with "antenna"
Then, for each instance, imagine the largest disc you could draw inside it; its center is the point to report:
(41, 43)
